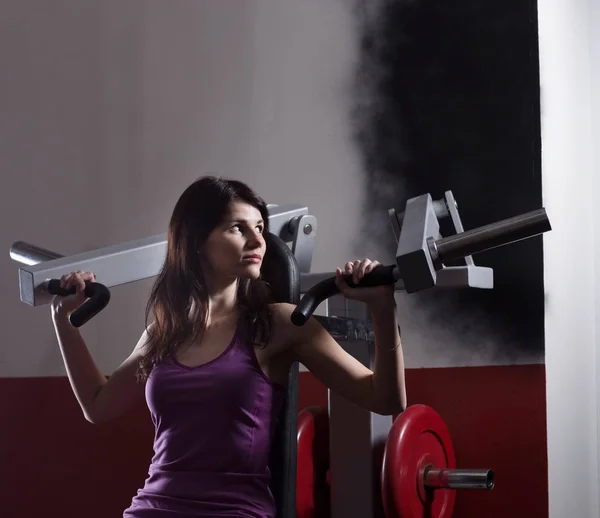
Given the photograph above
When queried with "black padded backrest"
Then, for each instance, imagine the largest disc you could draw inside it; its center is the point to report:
(280, 269)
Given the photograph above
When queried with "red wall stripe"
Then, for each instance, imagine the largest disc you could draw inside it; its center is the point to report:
(53, 462)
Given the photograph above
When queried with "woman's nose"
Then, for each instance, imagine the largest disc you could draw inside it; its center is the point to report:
(255, 241)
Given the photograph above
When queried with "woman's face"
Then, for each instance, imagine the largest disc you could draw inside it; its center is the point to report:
(236, 247)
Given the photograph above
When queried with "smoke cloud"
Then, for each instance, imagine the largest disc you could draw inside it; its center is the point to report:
(446, 97)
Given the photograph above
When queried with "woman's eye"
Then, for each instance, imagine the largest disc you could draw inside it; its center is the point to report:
(240, 228)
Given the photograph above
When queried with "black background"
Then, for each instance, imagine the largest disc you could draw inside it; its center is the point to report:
(447, 98)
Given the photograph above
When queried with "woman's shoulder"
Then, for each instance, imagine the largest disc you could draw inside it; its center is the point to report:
(282, 314)
(282, 308)
(284, 331)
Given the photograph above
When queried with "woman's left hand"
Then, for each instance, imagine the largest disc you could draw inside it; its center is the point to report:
(358, 269)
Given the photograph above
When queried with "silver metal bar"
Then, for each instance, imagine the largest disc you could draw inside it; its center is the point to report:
(112, 265)
(437, 478)
(280, 217)
(458, 226)
(414, 260)
(473, 276)
(396, 224)
(356, 444)
(305, 232)
(356, 436)
(29, 254)
(120, 264)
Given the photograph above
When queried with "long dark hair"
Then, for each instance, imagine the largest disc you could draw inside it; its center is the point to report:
(179, 300)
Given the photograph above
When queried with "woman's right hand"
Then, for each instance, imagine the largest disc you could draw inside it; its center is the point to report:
(66, 305)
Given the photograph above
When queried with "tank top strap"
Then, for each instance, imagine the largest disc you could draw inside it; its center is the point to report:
(247, 349)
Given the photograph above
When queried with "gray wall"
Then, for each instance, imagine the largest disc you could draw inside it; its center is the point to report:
(110, 109)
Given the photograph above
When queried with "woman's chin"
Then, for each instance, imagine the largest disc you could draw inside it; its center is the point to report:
(251, 272)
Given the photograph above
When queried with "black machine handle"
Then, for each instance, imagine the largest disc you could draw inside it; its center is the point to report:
(378, 276)
(98, 297)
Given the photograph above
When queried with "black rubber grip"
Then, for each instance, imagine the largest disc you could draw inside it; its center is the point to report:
(98, 297)
(379, 276)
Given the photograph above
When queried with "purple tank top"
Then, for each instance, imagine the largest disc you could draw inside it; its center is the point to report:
(213, 427)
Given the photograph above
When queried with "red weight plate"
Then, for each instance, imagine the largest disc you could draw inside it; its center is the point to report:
(418, 437)
(312, 493)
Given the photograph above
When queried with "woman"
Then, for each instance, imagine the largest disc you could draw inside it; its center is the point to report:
(213, 363)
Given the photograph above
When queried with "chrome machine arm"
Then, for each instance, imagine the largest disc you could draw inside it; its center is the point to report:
(142, 258)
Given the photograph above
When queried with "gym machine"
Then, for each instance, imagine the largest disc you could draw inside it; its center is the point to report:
(374, 470)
